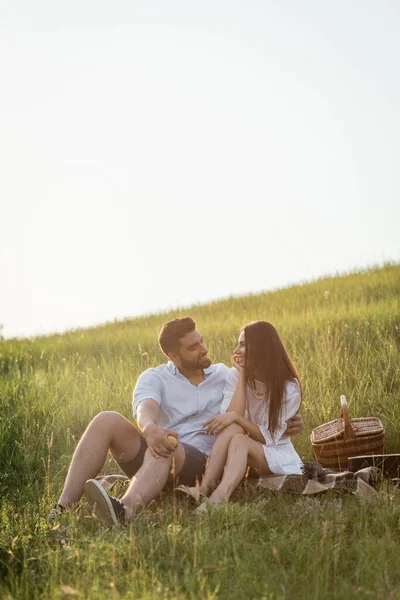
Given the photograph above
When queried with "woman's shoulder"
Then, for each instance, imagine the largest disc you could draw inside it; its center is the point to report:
(233, 374)
(231, 378)
(292, 388)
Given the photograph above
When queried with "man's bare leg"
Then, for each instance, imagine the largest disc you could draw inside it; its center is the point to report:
(107, 431)
(217, 459)
(151, 479)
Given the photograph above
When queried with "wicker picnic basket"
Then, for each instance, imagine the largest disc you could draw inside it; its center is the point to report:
(334, 442)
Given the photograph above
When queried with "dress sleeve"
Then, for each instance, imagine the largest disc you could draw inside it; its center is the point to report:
(291, 404)
(229, 389)
(147, 386)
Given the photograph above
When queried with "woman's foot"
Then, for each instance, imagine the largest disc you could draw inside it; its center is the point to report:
(207, 506)
(193, 493)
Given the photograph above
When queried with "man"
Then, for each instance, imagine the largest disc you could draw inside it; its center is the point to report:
(170, 401)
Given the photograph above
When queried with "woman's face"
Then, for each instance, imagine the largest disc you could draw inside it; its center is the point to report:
(240, 350)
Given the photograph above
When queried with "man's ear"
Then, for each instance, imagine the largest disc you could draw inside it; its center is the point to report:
(172, 356)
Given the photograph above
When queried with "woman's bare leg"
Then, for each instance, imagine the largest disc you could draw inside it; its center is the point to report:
(216, 462)
(243, 451)
(107, 431)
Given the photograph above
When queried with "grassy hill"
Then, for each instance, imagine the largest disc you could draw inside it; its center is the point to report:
(343, 334)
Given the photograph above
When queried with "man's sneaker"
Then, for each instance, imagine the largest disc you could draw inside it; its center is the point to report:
(108, 509)
(55, 512)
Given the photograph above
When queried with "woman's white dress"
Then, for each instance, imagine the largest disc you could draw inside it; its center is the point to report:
(279, 451)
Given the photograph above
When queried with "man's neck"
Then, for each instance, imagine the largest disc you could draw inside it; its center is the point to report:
(195, 376)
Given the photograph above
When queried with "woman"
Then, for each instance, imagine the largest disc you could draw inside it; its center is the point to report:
(262, 393)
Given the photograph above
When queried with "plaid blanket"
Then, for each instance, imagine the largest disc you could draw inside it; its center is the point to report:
(360, 483)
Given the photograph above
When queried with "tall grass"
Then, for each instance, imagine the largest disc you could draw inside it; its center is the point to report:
(343, 334)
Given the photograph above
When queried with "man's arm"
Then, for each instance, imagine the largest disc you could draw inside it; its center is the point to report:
(294, 425)
(147, 416)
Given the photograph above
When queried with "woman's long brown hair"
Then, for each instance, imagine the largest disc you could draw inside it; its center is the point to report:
(267, 360)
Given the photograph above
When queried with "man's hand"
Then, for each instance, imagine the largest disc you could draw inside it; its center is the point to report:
(157, 441)
(218, 423)
(294, 425)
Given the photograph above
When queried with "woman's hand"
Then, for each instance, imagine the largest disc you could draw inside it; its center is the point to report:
(218, 423)
(238, 362)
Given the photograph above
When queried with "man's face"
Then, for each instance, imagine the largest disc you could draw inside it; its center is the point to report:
(192, 353)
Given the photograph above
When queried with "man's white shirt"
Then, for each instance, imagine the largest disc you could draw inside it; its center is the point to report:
(184, 407)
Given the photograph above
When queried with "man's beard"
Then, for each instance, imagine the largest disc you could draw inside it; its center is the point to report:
(191, 365)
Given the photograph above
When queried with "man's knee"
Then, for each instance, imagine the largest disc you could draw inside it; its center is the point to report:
(148, 457)
(106, 418)
(174, 462)
(112, 423)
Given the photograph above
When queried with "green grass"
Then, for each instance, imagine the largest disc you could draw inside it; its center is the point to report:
(343, 333)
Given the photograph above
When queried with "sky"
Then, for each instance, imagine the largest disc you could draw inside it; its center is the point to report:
(159, 154)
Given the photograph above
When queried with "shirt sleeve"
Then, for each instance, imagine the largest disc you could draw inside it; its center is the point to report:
(229, 389)
(291, 404)
(148, 385)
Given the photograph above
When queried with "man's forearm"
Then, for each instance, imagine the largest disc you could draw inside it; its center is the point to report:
(146, 424)
(147, 415)
(294, 425)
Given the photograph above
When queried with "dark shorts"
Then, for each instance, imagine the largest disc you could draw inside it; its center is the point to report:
(191, 471)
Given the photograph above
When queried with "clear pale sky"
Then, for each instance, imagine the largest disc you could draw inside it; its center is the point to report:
(156, 154)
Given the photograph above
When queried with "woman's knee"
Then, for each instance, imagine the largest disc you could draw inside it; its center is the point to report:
(239, 440)
(231, 430)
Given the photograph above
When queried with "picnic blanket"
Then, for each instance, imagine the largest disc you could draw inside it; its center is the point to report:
(315, 480)
(360, 483)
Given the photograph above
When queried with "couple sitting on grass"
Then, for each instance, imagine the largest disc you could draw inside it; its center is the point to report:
(199, 425)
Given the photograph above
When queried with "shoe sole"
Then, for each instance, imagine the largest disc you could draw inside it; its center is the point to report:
(100, 502)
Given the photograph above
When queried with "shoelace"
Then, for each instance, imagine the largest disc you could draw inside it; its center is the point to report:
(55, 511)
(119, 509)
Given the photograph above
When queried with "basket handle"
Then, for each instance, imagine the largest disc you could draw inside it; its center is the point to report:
(349, 432)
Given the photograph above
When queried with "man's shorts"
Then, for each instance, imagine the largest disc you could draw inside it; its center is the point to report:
(191, 471)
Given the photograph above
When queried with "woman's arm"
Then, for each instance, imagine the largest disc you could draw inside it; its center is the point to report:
(251, 429)
(238, 402)
(219, 422)
(260, 433)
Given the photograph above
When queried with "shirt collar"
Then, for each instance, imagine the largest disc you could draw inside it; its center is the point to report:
(208, 371)
(175, 371)
(170, 365)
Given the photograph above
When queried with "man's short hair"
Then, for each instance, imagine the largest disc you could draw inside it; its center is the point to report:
(172, 332)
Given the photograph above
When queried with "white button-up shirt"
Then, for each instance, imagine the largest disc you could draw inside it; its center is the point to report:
(184, 407)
